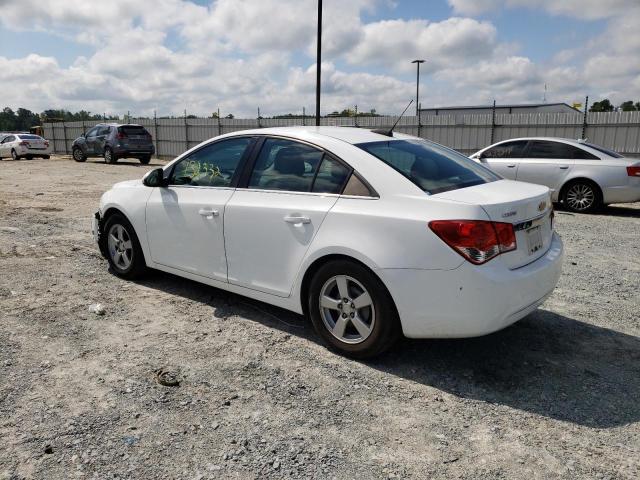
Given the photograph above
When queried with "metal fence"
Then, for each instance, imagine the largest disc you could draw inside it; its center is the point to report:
(619, 131)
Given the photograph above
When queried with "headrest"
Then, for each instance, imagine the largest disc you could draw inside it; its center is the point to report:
(289, 161)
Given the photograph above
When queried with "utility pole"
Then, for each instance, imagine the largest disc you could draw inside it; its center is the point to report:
(418, 62)
(318, 62)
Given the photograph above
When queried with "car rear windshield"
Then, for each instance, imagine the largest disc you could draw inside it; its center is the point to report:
(133, 130)
(430, 166)
(30, 137)
(606, 151)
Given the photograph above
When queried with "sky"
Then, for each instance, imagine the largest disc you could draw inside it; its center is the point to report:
(166, 56)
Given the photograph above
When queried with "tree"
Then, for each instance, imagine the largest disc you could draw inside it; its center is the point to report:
(230, 116)
(602, 106)
(628, 106)
(637, 105)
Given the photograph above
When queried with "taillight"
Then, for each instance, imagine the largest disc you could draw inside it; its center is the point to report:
(24, 144)
(633, 171)
(46, 143)
(476, 240)
(121, 135)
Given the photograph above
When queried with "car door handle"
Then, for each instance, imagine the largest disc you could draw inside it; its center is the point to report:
(208, 212)
(511, 166)
(564, 167)
(297, 219)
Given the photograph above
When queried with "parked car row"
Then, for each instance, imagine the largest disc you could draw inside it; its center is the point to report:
(581, 175)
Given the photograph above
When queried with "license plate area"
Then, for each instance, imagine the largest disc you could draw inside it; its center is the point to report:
(534, 239)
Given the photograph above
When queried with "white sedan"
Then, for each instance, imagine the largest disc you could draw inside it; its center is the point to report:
(19, 145)
(369, 235)
(581, 175)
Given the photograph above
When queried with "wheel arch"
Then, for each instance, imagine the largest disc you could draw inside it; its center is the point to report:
(109, 212)
(572, 180)
(315, 265)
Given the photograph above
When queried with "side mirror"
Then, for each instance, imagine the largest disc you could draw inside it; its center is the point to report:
(154, 178)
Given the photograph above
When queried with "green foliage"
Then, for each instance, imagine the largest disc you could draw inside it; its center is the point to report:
(628, 106)
(602, 106)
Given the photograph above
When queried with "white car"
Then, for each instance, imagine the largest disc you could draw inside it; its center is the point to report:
(581, 175)
(370, 235)
(18, 145)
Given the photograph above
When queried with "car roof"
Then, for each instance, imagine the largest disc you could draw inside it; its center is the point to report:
(551, 139)
(352, 135)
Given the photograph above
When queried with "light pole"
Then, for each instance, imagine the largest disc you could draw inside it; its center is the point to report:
(418, 62)
(318, 62)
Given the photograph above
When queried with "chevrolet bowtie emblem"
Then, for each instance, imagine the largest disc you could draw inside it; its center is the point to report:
(542, 206)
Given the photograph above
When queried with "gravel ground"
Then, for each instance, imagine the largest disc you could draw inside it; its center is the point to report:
(557, 395)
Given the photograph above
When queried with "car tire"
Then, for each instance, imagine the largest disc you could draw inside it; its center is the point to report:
(29, 157)
(78, 155)
(14, 155)
(122, 247)
(582, 196)
(46, 157)
(358, 331)
(145, 160)
(109, 156)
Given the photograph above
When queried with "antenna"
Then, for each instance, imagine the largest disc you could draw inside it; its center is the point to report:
(389, 133)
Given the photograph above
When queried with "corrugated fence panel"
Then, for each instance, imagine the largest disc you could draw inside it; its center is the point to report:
(619, 131)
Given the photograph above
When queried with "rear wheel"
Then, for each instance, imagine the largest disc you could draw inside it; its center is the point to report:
(582, 196)
(46, 157)
(145, 160)
(351, 309)
(78, 155)
(29, 157)
(123, 248)
(109, 156)
(15, 155)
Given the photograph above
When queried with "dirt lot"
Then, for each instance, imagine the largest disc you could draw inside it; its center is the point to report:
(555, 396)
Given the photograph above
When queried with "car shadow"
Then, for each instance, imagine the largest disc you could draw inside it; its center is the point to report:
(619, 211)
(132, 162)
(546, 364)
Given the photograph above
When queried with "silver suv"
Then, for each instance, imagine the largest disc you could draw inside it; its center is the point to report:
(113, 141)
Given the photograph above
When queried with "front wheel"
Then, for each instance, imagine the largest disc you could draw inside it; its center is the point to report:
(124, 253)
(78, 155)
(582, 197)
(352, 310)
(109, 156)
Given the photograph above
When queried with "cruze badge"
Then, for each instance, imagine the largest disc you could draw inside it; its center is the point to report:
(509, 214)
(542, 206)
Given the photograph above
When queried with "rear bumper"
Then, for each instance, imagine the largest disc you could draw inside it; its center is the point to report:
(22, 150)
(622, 194)
(134, 151)
(471, 300)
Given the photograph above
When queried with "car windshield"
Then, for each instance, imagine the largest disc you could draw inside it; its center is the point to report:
(430, 166)
(30, 137)
(606, 151)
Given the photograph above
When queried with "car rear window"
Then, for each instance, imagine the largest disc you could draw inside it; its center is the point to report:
(30, 137)
(606, 151)
(430, 166)
(133, 130)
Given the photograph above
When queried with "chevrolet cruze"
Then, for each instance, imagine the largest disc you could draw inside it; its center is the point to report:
(370, 234)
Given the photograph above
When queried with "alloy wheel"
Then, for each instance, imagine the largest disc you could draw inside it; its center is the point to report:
(346, 309)
(120, 246)
(580, 197)
(108, 155)
(77, 155)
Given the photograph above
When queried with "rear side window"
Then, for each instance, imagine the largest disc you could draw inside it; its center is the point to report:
(431, 167)
(285, 165)
(211, 166)
(331, 176)
(506, 150)
(130, 130)
(556, 150)
(606, 151)
(104, 130)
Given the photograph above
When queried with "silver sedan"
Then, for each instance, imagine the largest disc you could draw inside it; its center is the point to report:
(581, 175)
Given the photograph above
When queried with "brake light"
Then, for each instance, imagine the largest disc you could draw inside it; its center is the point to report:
(24, 144)
(633, 171)
(476, 240)
(121, 135)
(46, 143)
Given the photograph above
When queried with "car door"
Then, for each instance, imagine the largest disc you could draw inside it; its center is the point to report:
(546, 162)
(504, 158)
(101, 137)
(5, 146)
(90, 141)
(270, 224)
(185, 220)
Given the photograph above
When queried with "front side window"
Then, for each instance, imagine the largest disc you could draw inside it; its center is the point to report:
(104, 130)
(431, 167)
(212, 166)
(506, 150)
(92, 132)
(285, 165)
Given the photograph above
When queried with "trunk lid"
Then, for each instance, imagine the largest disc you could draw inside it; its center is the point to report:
(527, 206)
